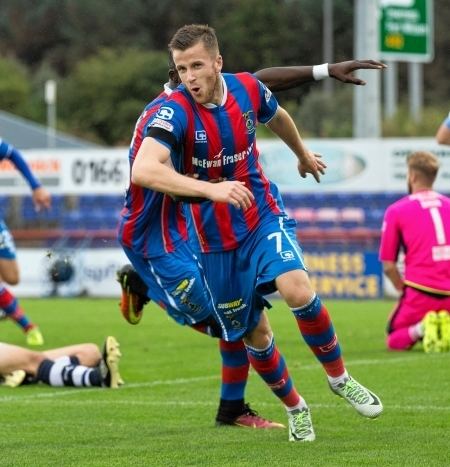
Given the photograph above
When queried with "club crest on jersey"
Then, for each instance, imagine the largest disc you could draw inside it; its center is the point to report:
(166, 113)
(249, 122)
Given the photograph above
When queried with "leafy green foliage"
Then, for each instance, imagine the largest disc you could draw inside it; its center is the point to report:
(14, 86)
(321, 116)
(107, 92)
(60, 35)
(403, 123)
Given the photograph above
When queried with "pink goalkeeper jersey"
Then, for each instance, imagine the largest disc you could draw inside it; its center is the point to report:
(420, 224)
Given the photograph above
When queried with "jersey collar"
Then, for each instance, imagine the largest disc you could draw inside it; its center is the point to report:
(167, 89)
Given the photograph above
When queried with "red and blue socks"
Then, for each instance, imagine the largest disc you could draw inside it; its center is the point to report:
(317, 330)
(235, 368)
(270, 365)
(12, 309)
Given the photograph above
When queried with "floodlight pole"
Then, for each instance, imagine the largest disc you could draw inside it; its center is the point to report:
(390, 89)
(415, 81)
(328, 43)
(50, 100)
(366, 99)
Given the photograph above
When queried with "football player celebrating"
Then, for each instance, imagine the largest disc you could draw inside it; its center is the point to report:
(207, 128)
(161, 219)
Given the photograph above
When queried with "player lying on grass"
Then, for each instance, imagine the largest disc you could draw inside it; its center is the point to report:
(419, 224)
(81, 365)
(149, 215)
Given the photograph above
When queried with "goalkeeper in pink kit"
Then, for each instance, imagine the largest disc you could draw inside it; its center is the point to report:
(419, 224)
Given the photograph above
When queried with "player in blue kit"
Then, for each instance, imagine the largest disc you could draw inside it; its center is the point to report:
(9, 268)
(207, 129)
(143, 224)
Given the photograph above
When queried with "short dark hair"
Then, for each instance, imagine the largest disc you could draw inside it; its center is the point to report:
(171, 63)
(190, 34)
(425, 163)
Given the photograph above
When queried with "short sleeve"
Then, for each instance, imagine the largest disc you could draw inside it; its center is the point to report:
(268, 103)
(390, 236)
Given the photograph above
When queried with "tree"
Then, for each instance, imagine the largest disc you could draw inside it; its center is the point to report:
(107, 92)
(14, 86)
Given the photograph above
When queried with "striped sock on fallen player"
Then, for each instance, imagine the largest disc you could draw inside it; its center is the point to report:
(66, 371)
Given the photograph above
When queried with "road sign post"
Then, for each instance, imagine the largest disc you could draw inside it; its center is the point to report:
(406, 30)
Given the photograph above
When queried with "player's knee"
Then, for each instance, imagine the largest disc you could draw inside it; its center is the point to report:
(298, 296)
(89, 355)
(295, 288)
(11, 277)
(34, 360)
(261, 336)
(394, 344)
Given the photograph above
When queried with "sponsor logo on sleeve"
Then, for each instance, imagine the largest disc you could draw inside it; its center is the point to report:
(267, 93)
(158, 123)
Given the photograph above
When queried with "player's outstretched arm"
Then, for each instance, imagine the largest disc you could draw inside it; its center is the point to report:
(308, 162)
(284, 78)
(41, 197)
(343, 71)
(152, 169)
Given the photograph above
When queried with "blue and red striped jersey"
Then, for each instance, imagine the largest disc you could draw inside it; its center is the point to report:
(219, 141)
(151, 224)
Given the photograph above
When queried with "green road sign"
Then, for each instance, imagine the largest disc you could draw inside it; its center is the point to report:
(406, 30)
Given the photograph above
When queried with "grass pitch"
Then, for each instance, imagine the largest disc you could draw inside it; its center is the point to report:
(164, 415)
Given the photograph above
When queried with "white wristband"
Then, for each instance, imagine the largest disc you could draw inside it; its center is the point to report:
(320, 71)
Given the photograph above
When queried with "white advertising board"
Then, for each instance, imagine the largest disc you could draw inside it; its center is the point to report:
(353, 165)
(94, 272)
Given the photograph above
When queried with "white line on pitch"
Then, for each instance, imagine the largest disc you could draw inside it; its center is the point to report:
(68, 392)
(174, 403)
